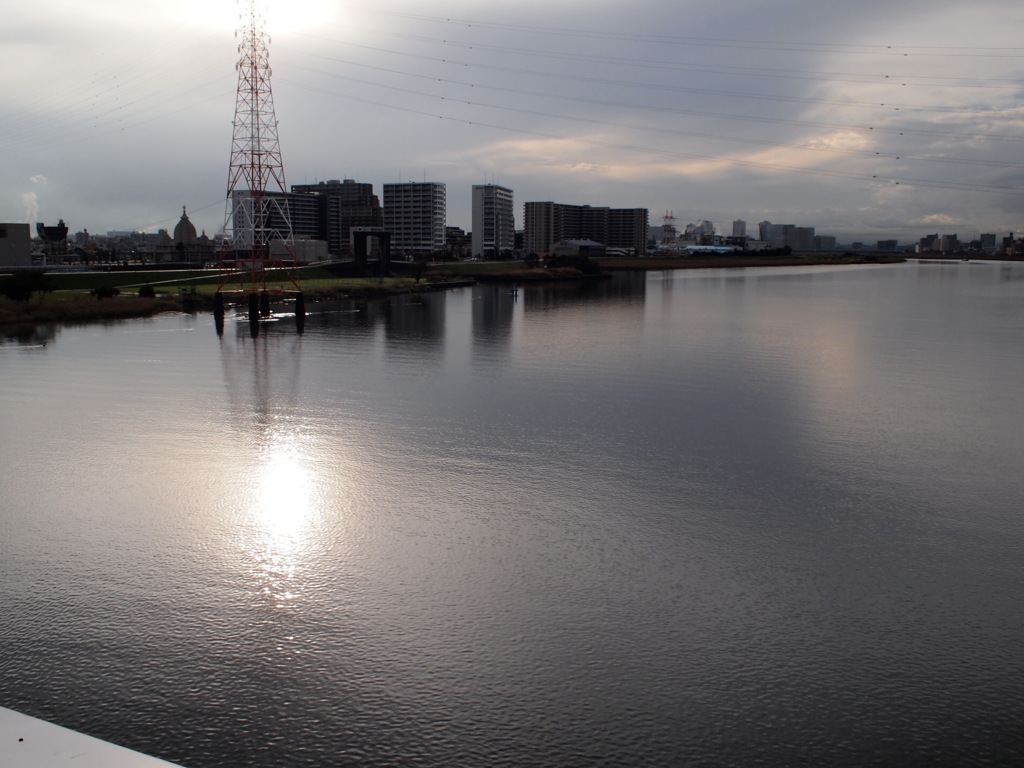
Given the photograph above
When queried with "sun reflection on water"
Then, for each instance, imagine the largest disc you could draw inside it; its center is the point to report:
(284, 511)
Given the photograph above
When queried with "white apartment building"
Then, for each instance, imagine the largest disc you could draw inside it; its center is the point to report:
(494, 224)
(414, 214)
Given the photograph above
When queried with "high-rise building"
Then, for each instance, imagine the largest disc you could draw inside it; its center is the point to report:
(414, 214)
(616, 228)
(782, 235)
(739, 228)
(775, 234)
(949, 244)
(800, 238)
(341, 205)
(627, 230)
(494, 225)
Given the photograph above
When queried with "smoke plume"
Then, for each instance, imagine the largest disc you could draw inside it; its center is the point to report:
(31, 203)
(31, 200)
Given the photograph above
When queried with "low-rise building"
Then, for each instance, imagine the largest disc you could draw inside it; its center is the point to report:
(587, 248)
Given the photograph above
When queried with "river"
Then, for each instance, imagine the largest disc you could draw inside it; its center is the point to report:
(759, 517)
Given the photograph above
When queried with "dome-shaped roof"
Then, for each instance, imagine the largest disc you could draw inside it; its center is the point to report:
(185, 231)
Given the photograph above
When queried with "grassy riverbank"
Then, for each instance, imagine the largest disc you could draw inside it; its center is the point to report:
(71, 298)
(83, 309)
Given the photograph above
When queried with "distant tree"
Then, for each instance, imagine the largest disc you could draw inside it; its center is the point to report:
(23, 284)
(147, 291)
(418, 268)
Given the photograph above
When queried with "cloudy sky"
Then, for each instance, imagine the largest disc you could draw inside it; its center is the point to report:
(867, 120)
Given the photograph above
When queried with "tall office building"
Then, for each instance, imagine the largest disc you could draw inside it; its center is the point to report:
(616, 228)
(800, 238)
(627, 230)
(775, 234)
(342, 205)
(739, 228)
(414, 214)
(782, 235)
(494, 225)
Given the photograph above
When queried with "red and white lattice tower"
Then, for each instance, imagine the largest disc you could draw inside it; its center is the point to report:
(668, 231)
(257, 196)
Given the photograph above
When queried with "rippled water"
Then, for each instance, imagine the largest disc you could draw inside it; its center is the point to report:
(759, 517)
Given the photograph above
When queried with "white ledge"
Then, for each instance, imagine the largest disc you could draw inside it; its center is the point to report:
(26, 742)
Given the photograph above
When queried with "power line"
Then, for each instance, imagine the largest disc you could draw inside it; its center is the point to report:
(879, 78)
(703, 41)
(691, 134)
(873, 178)
(633, 84)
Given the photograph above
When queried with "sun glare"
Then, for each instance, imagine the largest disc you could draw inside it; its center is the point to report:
(280, 15)
(285, 496)
(293, 15)
(284, 506)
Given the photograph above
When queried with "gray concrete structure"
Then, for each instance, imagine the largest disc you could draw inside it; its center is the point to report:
(15, 245)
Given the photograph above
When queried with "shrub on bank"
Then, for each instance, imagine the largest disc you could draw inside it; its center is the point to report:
(105, 292)
(21, 285)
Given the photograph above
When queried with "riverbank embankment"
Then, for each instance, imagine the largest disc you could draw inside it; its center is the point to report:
(727, 261)
(73, 297)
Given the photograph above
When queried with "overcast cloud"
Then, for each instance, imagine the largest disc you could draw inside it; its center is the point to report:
(868, 120)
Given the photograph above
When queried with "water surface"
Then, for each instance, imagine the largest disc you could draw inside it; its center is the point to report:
(757, 517)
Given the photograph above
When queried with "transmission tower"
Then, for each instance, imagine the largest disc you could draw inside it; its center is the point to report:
(257, 214)
(668, 232)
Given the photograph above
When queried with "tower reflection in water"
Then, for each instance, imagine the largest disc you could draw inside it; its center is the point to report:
(277, 517)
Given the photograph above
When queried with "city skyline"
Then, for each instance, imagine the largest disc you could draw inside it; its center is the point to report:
(117, 116)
